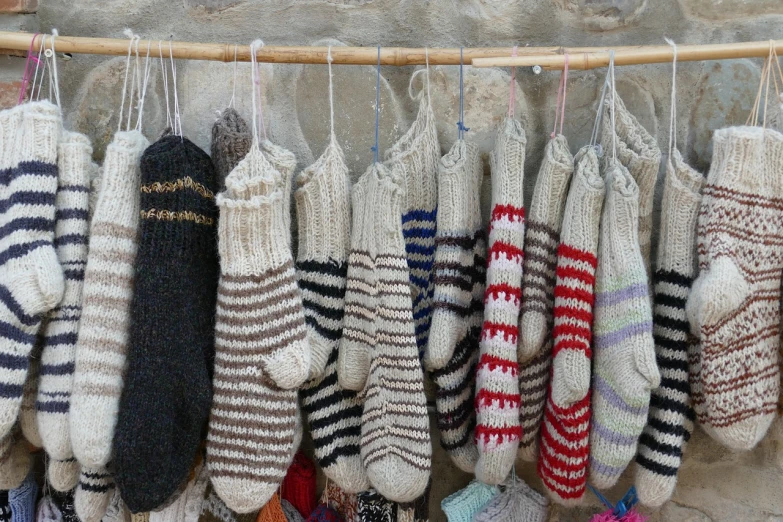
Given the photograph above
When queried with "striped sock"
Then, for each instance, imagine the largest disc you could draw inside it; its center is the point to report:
(63, 475)
(563, 459)
(62, 324)
(497, 388)
(31, 280)
(670, 423)
(93, 494)
(14, 459)
(102, 341)
(542, 234)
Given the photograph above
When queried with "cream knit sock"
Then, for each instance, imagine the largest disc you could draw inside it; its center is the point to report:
(102, 343)
(734, 306)
(93, 494)
(670, 423)
(624, 367)
(542, 235)
(14, 459)
(63, 475)
(395, 442)
(497, 388)
(284, 163)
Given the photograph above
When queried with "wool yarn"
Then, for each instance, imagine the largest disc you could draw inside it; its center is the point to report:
(299, 487)
(93, 493)
(341, 501)
(466, 503)
(272, 511)
(284, 163)
(185, 504)
(27, 414)
(373, 507)
(117, 510)
(213, 509)
(459, 270)
(231, 140)
(418, 510)
(624, 367)
(47, 511)
(670, 422)
(542, 235)
(63, 475)
(103, 336)
(61, 326)
(734, 306)
(290, 512)
(497, 389)
(518, 503)
(324, 513)
(22, 500)
(14, 459)
(31, 280)
(564, 439)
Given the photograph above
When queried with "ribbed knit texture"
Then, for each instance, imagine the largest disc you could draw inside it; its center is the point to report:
(102, 341)
(518, 503)
(260, 341)
(61, 325)
(22, 500)
(231, 139)
(497, 389)
(271, 512)
(564, 440)
(290, 512)
(414, 159)
(299, 487)
(284, 162)
(63, 475)
(14, 459)
(460, 266)
(542, 235)
(624, 367)
(31, 280)
(734, 306)
(670, 422)
(93, 493)
(466, 503)
(372, 507)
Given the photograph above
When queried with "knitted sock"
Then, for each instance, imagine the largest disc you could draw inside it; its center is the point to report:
(271, 512)
(47, 511)
(341, 501)
(63, 475)
(64, 501)
(638, 152)
(22, 500)
(466, 503)
(284, 163)
(5, 507)
(27, 412)
(215, 510)
(542, 234)
(231, 139)
(118, 511)
(324, 513)
(455, 383)
(172, 331)
(62, 324)
(670, 422)
(416, 511)
(454, 243)
(497, 388)
(518, 503)
(414, 159)
(253, 423)
(145, 517)
(31, 280)
(734, 306)
(14, 459)
(290, 512)
(93, 494)
(564, 441)
(299, 486)
(373, 507)
(624, 369)
(102, 342)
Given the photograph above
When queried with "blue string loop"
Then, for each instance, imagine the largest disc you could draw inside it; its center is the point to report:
(374, 148)
(461, 129)
(628, 501)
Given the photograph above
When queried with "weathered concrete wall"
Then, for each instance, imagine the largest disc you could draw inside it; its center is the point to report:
(715, 484)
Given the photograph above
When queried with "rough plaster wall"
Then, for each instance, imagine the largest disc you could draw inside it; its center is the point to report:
(715, 484)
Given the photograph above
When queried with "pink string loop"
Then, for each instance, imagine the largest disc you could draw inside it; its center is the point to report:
(561, 98)
(512, 95)
(27, 70)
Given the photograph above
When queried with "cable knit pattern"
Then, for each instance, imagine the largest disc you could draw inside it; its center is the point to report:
(563, 460)
(734, 306)
(670, 423)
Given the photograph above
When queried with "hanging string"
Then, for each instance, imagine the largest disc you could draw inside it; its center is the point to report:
(612, 108)
(598, 118)
(427, 68)
(673, 104)
(258, 114)
(234, 88)
(764, 80)
(134, 82)
(331, 94)
(561, 98)
(512, 89)
(165, 85)
(42, 68)
(377, 106)
(461, 123)
(125, 81)
(54, 81)
(144, 88)
(31, 59)
(177, 117)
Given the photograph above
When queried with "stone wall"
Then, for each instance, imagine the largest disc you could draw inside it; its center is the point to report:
(715, 484)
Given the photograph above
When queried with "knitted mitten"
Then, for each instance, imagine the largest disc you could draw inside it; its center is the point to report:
(734, 306)
(14, 459)
(373, 507)
(231, 140)
(454, 243)
(290, 512)
(63, 475)
(460, 181)
(260, 334)
(62, 323)
(22, 500)
(395, 441)
(670, 422)
(518, 503)
(542, 234)
(414, 159)
(562, 463)
(497, 390)
(31, 280)
(284, 163)
(299, 487)
(624, 369)
(47, 511)
(93, 493)
(102, 343)
(466, 503)
(27, 413)
(638, 152)
(334, 414)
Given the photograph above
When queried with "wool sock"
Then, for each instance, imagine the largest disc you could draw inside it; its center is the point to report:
(14, 459)
(454, 242)
(466, 503)
(670, 422)
(64, 501)
(31, 280)
(497, 388)
(416, 511)
(564, 439)
(47, 511)
(334, 414)
(93, 494)
(63, 475)
(172, 330)
(324, 513)
(231, 140)
(395, 441)
(284, 163)
(22, 500)
(118, 511)
(253, 422)
(518, 503)
(61, 325)
(102, 341)
(341, 501)
(734, 306)
(624, 367)
(455, 383)
(299, 486)
(214, 509)
(27, 412)
(414, 159)
(638, 152)
(290, 512)
(542, 235)
(373, 507)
